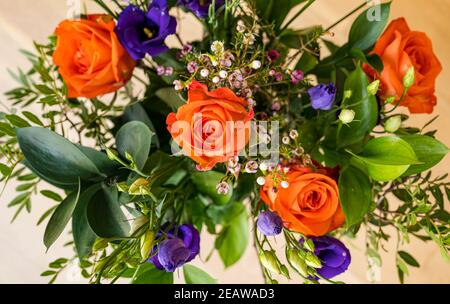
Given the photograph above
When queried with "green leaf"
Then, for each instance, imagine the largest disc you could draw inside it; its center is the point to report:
(54, 158)
(276, 10)
(368, 26)
(428, 150)
(100, 160)
(135, 138)
(409, 259)
(365, 107)
(48, 273)
(5, 170)
(51, 195)
(149, 274)
(206, 183)
(233, 240)
(136, 112)
(17, 121)
(60, 218)
(83, 235)
(194, 275)
(387, 158)
(355, 191)
(7, 129)
(33, 118)
(170, 97)
(105, 217)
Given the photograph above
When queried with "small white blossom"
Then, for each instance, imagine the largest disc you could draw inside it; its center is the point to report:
(223, 74)
(263, 166)
(217, 47)
(293, 134)
(256, 64)
(251, 167)
(216, 79)
(285, 140)
(204, 73)
(223, 188)
(177, 85)
(261, 181)
(240, 27)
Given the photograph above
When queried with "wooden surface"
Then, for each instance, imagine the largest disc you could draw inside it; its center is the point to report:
(22, 253)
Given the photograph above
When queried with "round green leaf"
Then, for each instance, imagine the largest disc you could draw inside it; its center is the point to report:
(135, 138)
(54, 157)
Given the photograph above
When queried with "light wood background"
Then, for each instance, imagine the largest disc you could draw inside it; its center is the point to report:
(22, 253)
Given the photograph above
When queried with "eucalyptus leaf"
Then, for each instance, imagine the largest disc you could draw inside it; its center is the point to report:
(100, 160)
(54, 157)
(60, 217)
(194, 275)
(105, 216)
(83, 235)
(135, 138)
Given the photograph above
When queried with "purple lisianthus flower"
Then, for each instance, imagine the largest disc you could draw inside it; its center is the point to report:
(181, 246)
(269, 223)
(200, 7)
(333, 254)
(142, 33)
(322, 96)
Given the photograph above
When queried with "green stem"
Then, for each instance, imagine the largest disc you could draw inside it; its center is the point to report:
(304, 8)
(346, 16)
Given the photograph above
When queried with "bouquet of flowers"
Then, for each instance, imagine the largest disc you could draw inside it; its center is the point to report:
(257, 131)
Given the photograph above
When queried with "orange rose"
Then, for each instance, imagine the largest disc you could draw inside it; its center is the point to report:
(400, 49)
(90, 58)
(310, 205)
(212, 126)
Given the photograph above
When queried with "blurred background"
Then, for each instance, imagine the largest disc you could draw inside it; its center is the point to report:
(22, 252)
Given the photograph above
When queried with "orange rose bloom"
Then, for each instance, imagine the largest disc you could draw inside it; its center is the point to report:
(212, 126)
(90, 58)
(400, 49)
(310, 205)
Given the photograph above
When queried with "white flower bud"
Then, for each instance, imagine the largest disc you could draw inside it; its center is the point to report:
(216, 79)
(223, 74)
(285, 140)
(204, 73)
(393, 124)
(261, 181)
(346, 116)
(263, 166)
(293, 134)
(256, 64)
(284, 184)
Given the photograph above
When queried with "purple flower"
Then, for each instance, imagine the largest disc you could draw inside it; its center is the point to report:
(200, 7)
(333, 254)
(297, 76)
(272, 55)
(181, 246)
(322, 96)
(269, 223)
(143, 33)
